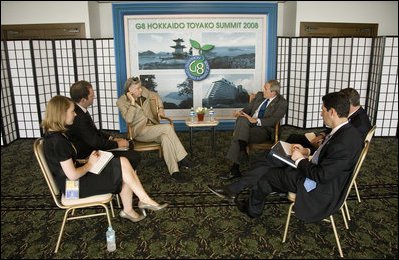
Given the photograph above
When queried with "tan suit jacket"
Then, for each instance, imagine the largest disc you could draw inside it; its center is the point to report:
(140, 116)
(147, 128)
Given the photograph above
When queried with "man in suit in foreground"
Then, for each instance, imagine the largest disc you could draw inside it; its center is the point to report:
(357, 117)
(255, 124)
(319, 183)
(84, 134)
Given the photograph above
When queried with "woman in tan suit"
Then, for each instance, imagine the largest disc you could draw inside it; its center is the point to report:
(140, 108)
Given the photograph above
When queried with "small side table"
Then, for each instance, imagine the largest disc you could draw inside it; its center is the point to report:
(210, 124)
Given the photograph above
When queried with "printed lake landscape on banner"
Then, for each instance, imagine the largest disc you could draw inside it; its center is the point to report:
(201, 60)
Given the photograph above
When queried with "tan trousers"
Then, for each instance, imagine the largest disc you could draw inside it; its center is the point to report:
(173, 150)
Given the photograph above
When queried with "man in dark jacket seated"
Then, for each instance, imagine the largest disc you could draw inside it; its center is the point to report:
(255, 124)
(319, 183)
(84, 134)
(357, 117)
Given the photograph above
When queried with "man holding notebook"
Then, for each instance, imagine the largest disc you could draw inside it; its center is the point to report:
(84, 134)
(318, 183)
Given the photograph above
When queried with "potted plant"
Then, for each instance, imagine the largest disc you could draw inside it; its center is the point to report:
(200, 113)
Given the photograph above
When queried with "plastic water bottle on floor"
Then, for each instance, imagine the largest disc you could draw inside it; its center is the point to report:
(211, 115)
(192, 115)
(111, 246)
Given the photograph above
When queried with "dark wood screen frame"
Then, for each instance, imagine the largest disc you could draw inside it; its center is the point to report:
(316, 29)
(43, 31)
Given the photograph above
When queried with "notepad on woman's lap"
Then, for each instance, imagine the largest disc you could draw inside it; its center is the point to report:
(104, 159)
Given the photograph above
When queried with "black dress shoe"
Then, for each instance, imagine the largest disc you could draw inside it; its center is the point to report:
(188, 164)
(223, 192)
(230, 176)
(242, 206)
(178, 178)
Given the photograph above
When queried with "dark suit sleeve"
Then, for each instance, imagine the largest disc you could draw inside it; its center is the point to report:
(252, 106)
(274, 112)
(361, 122)
(88, 135)
(336, 157)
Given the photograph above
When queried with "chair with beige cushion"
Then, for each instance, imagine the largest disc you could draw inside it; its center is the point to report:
(291, 197)
(147, 146)
(71, 204)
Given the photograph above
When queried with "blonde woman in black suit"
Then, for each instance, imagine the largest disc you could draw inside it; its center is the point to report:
(117, 177)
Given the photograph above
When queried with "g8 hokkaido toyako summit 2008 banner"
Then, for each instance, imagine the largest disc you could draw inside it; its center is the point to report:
(197, 61)
(192, 60)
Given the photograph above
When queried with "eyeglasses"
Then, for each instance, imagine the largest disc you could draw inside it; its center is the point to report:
(135, 78)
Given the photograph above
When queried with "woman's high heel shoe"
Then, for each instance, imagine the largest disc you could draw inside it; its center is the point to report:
(122, 214)
(143, 205)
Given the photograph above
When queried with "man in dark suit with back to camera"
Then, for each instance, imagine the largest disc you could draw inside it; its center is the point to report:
(84, 134)
(319, 183)
(255, 124)
(357, 117)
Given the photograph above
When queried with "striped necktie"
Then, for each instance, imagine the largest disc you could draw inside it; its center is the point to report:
(315, 157)
(310, 184)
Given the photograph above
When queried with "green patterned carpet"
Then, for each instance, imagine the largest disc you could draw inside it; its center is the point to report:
(198, 224)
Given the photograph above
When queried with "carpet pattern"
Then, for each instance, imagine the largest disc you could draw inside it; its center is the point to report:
(197, 224)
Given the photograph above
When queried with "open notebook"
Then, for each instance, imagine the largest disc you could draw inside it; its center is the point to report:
(282, 151)
(105, 157)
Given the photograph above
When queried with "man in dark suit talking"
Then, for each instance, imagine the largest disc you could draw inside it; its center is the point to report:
(84, 134)
(319, 182)
(255, 124)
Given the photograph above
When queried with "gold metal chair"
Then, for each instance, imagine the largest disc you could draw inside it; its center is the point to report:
(70, 204)
(291, 196)
(368, 138)
(265, 145)
(147, 146)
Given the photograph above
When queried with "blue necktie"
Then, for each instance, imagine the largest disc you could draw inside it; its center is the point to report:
(262, 109)
(310, 184)
(315, 157)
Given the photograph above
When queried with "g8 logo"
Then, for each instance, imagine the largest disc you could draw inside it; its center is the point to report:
(197, 68)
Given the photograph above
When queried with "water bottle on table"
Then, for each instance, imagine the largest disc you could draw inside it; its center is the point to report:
(211, 115)
(192, 115)
(111, 246)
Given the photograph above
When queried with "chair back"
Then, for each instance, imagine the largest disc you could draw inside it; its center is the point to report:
(358, 166)
(48, 176)
(251, 97)
(370, 133)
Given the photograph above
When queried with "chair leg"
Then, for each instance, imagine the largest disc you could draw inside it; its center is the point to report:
(160, 153)
(112, 205)
(343, 216)
(336, 236)
(118, 201)
(107, 212)
(288, 222)
(112, 208)
(357, 191)
(347, 210)
(62, 229)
